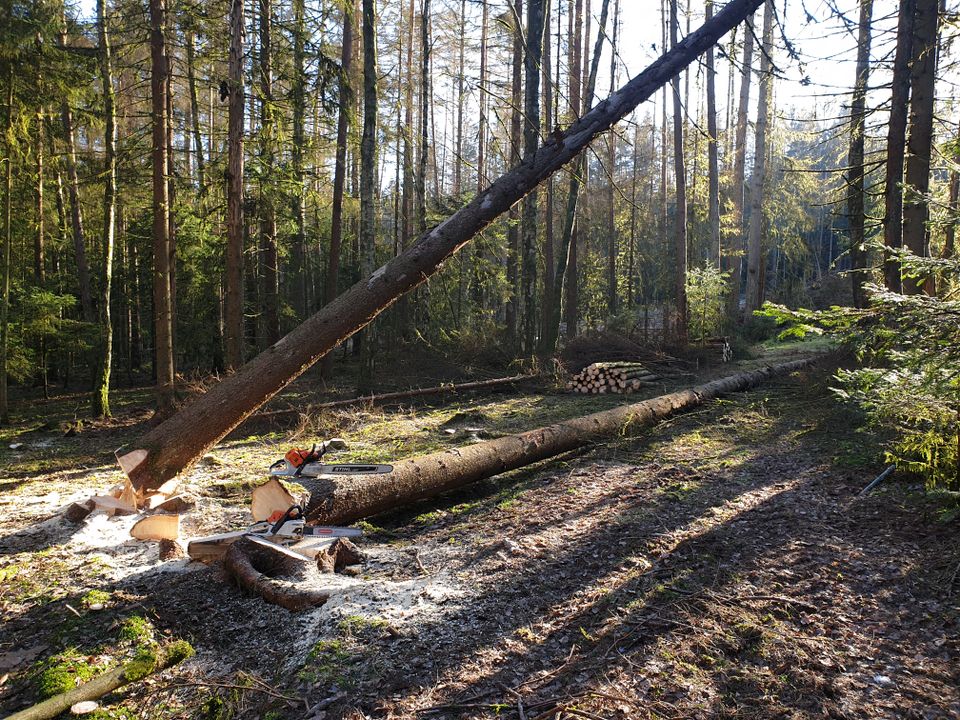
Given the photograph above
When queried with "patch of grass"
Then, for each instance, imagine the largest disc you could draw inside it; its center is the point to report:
(326, 664)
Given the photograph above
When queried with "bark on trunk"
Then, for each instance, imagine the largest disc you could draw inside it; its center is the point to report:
(268, 216)
(680, 211)
(513, 218)
(162, 302)
(755, 239)
(916, 212)
(298, 92)
(896, 144)
(368, 166)
(713, 168)
(233, 310)
(331, 286)
(855, 199)
(101, 393)
(343, 501)
(737, 245)
(171, 446)
(531, 141)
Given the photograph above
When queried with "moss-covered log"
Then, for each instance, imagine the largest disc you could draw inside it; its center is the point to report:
(341, 501)
(146, 662)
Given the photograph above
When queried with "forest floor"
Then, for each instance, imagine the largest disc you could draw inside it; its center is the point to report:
(720, 564)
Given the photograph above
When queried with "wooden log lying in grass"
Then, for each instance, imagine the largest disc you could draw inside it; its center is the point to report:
(146, 662)
(276, 574)
(341, 501)
(400, 395)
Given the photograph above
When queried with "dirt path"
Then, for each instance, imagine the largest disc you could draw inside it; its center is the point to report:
(720, 566)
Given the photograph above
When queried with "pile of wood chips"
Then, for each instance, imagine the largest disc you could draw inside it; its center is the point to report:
(611, 377)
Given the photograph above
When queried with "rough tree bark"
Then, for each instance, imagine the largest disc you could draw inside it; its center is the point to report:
(179, 441)
(735, 251)
(916, 212)
(330, 287)
(270, 293)
(162, 302)
(896, 143)
(233, 300)
(336, 501)
(713, 168)
(298, 101)
(755, 238)
(855, 199)
(368, 166)
(680, 210)
(511, 311)
(531, 140)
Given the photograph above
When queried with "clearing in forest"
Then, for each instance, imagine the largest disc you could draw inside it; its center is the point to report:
(718, 565)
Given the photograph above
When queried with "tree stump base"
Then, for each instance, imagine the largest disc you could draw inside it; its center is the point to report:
(279, 576)
(338, 556)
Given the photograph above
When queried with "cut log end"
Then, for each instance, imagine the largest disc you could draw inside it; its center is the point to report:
(277, 575)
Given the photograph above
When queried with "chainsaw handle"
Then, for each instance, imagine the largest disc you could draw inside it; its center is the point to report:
(294, 512)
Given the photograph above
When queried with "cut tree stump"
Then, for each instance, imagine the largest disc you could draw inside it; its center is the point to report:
(335, 501)
(278, 575)
(185, 436)
(341, 553)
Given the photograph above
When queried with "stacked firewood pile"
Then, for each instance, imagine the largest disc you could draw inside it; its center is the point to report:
(611, 377)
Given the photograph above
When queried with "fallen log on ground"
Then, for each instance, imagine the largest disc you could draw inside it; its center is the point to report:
(278, 575)
(183, 438)
(145, 663)
(342, 501)
(399, 395)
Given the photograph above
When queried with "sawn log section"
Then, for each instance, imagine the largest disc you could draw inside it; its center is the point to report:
(180, 440)
(343, 501)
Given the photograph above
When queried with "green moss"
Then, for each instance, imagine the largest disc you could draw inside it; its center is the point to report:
(177, 652)
(112, 714)
(143, 663)
(95, 597)
(63, 672)
(358, 624)
(136, 629)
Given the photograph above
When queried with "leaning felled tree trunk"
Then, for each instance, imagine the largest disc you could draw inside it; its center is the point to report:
(340, 501)
(171, 446)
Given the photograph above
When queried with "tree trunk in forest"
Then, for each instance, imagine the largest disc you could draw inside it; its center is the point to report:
(916, 212)
(755, 238)
(737, 246)
(531, 141)
(101, 392)
(344, 501)
(188, 39)
(546, 311)
(478, 249)
(174, 444)
(567, 252)
(298, 93)
(458, 142)
(513, 217)
(233, 302)
(39, 273)
(424, 116)
(680, 205)
(330, 288)
(368, 189)
(713, 165)
(270, 293)
(896, 144)
(162, 302)
(855, 198)
(76, 211)
(7, 252)
(611, 178)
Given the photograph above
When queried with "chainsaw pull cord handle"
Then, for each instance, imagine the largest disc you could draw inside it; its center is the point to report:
(294, 512)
